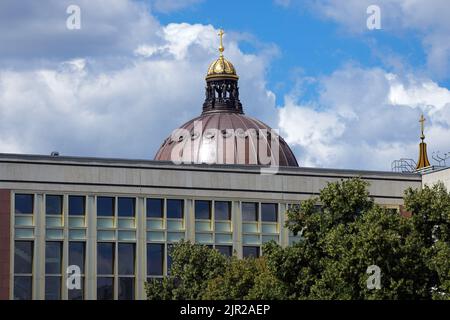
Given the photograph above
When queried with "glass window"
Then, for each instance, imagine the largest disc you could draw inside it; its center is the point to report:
(105, 258)
(225, 250)
(23, 203)
(160, 280)
(77, 294)
(53, 204)
(126, 207)
(248, 251)
(269, 212)
(126, 258)
(249, 211)
(52, 288)
(126, 288)
(23, 257)
(77, 205)
(175, 208)
(203, 209)
(53, 257)
(77, 254)
(155, 208)
(22, 287)
(105, 288)
(155, 259)
(105, 206)
(222, 210)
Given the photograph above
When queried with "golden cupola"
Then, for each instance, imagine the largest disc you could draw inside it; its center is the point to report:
(223, 134)
(221, 68)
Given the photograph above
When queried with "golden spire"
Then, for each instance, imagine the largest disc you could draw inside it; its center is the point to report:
(221, 67)
(221, 48)
(422, 125)
(423, 157)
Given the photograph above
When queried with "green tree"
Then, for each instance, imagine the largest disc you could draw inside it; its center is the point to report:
(342, 233)
(430, 207)
(245, 279)
(192, 266)
(350, 233)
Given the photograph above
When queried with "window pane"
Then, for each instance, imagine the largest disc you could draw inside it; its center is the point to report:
(126, 207)
(76, 294)
(222, 210)
(76, 254)
(23, 257)
(126, 288)
(105, 206)
(105, 288)
(155, 259)
(225, 250)
(202, 209)
(175, 208)
(250, 252)
(155, 208)
(77, 205)
(52, 288)
(24, 203)
(53, 204)
(126, 258)
(249, 211)
(105, 258)
(53, 254)
(22, 287)
(269, 212)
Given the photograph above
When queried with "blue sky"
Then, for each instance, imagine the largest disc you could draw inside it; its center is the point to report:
(341, 95)
(307, 43)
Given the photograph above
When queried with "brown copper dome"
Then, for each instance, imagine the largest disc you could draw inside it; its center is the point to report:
(226, 138)
(222, 134)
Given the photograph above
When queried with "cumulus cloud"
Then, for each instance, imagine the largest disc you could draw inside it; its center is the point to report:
(427, 20)
(118, 86)
(36, 34)
(366, 118)
(123, 103)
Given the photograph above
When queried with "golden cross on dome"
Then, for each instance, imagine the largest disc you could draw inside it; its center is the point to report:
(221, 48)
(422, 125)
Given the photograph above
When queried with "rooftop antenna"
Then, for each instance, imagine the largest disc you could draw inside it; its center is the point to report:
(403, 165)
(439, 159)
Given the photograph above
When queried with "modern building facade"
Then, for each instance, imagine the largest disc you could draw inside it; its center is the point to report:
(114, 220)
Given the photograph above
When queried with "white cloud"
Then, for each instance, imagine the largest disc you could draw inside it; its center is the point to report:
(119, 93)
(84, 106)
(366, 118)
(33, 33)
(418, 93)
(427, 20)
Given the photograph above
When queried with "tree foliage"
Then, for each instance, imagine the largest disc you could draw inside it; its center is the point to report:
(343, 232)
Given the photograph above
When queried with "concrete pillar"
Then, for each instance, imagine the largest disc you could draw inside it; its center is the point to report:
(284, 232)
(189, 220)
(65, 256)
(91, 249)
(141, 248)
(39, 248)
(236, 217)
(6, 244)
